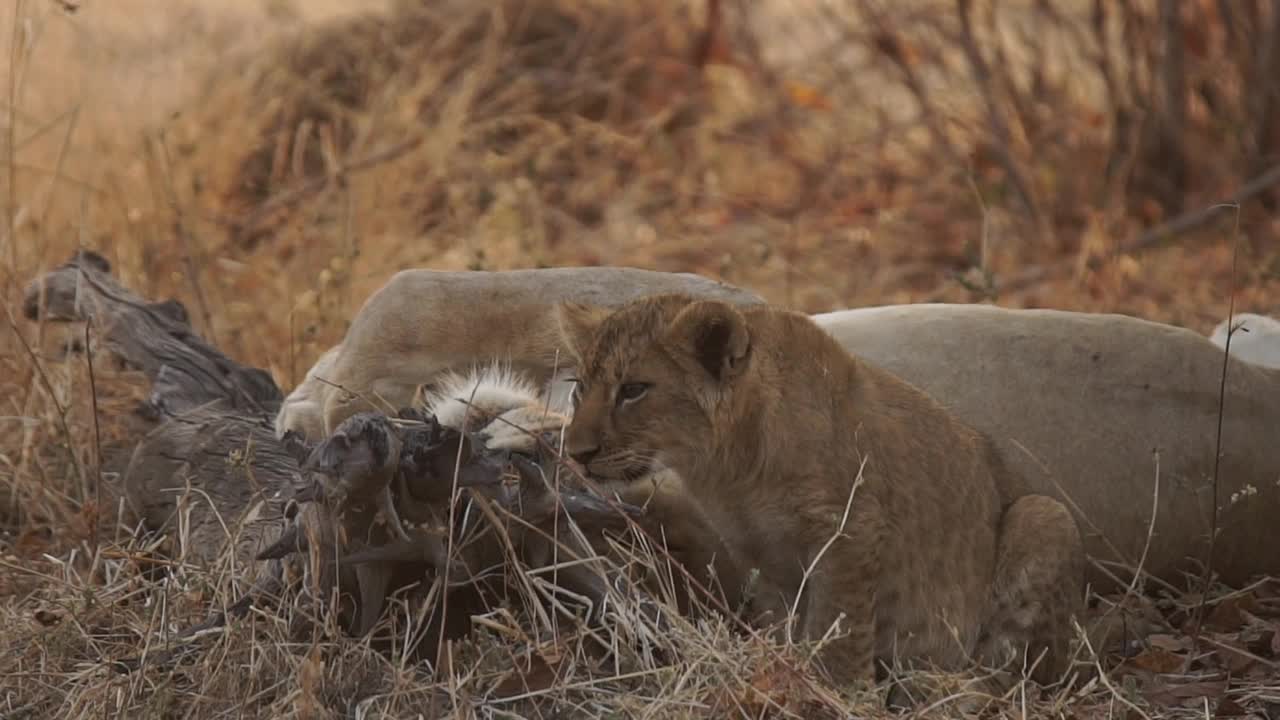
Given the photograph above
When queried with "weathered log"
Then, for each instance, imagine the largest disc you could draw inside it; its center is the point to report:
(509, 484)
(208, 477)
(211, 473)
(214, 478)
(184, 370)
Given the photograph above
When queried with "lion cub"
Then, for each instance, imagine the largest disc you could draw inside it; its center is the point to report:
(840, 483)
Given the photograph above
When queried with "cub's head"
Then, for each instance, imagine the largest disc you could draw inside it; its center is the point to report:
(656, 380)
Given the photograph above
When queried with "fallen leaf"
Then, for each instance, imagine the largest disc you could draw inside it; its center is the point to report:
(48, 618)
(539, 675)
(806, 96)
(1236, 659)
(1173, 643)
(1229, 615)
(1157, 660)
(775, 685)
(32, 543)
(1228, 707)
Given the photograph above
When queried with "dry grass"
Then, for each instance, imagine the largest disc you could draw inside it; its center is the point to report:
(271, 163)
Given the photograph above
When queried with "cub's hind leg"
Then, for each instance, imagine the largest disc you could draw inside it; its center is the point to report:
(1038, 589)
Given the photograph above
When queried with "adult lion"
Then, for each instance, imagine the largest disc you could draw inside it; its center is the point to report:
(1113, 415)
(1117, 417)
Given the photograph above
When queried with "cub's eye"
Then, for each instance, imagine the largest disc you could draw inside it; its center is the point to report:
(630, 392)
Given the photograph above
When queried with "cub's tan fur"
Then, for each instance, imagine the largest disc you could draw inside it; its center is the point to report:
(422, 323)
(857, 497)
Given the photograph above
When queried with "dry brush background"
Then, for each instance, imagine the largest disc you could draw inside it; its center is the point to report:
(271, 162)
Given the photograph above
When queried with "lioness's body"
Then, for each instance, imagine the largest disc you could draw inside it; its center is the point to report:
(1078, 405)
(1025, 377)
(407, 332)
(828, 475)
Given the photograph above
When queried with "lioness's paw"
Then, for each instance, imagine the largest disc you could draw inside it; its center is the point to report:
(304, 417)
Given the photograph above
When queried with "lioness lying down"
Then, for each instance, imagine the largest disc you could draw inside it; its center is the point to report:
(1080, 429)
(856, 496)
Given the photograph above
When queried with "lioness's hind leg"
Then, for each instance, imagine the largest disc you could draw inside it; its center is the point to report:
(1039, 587)
(354, 394)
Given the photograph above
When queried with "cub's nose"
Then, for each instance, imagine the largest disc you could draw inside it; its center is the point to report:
(583, 456)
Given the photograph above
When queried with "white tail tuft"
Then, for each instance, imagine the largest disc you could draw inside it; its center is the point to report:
(484, 391)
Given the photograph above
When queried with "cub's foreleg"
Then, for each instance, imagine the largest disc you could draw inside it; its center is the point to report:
(1039, 587)
(843, 581)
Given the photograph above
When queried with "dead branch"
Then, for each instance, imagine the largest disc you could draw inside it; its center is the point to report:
(995, 117)
(185, 371)
(1153, 237)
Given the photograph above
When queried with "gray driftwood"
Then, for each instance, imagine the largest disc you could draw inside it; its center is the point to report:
(185, 371)
(213, 477)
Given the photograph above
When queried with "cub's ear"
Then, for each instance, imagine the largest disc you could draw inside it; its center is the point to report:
(578, 324)
(715, 335)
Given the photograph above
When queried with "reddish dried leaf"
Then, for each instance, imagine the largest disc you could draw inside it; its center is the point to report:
(539, 675)
(32, 543)
(776, 684)
(1157, 660)
(806, 96)
(1195, 40)
(48, 618)
(1229, 615)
